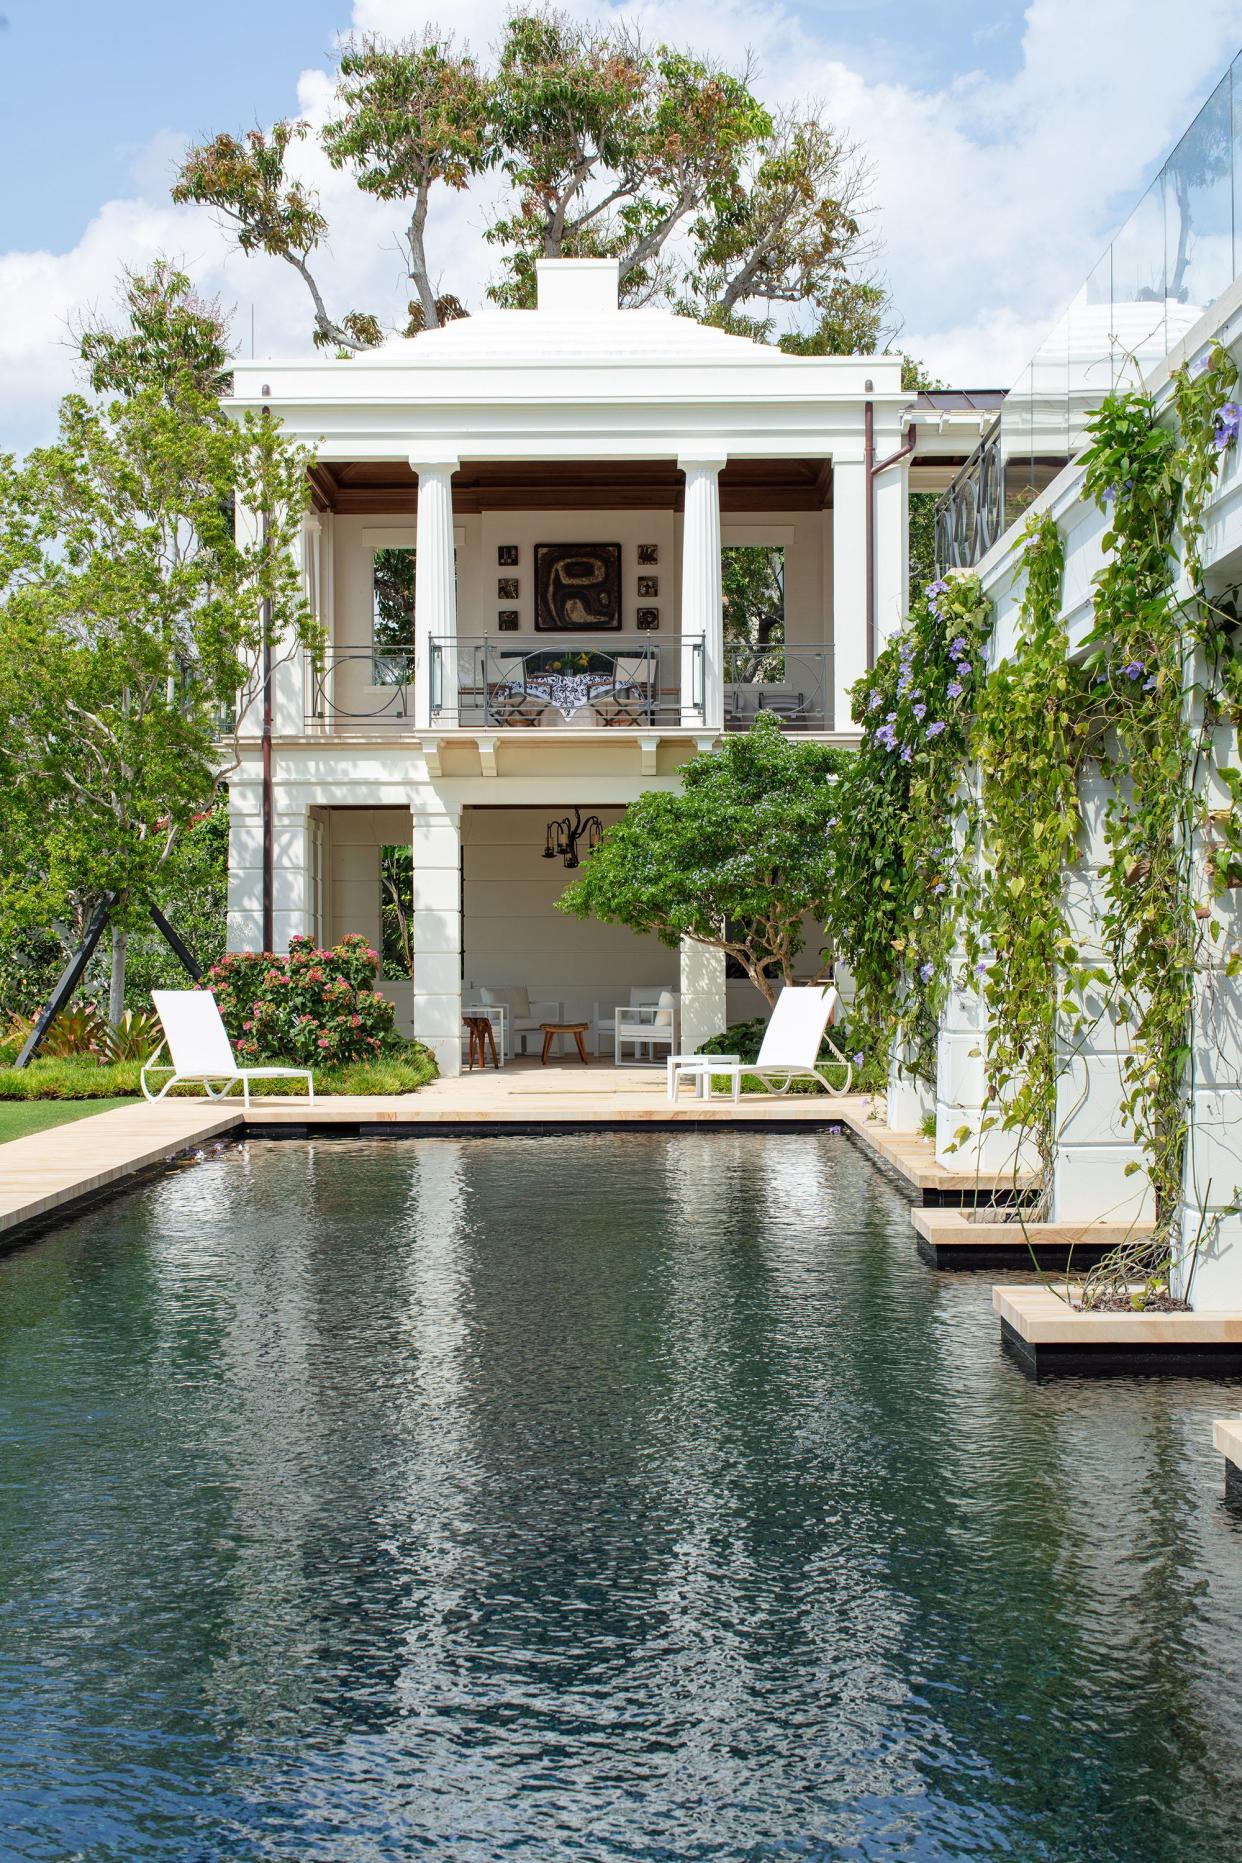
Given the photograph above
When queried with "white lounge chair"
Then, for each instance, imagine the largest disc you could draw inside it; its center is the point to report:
(789, 1050)
(198, 1042)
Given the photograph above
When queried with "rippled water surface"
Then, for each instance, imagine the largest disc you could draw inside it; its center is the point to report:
(633, 1496)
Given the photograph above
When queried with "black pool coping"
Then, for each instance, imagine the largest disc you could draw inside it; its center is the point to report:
(524, 1128)
(1203, 1360)
(1041, 1256)
(1233, 1482)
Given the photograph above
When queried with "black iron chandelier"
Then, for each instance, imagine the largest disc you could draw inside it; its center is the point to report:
(562, 837)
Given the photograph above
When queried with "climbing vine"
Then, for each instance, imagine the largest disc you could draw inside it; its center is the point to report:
(1028, 742)
(894, 919)
(1144, 657)
(962, 818)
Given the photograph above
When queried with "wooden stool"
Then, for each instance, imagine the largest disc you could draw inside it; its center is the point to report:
(482, 1037)
(550, 1032)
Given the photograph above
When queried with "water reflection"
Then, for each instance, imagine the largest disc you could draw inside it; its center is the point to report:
(625, 1496)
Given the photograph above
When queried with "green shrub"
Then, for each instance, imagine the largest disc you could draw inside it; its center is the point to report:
(313, 1008)
(403, 1069)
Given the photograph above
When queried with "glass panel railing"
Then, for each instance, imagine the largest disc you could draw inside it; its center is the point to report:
(1198, 213)
(1177, 252)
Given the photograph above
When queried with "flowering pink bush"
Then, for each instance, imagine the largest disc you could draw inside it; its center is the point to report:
(313, 1007)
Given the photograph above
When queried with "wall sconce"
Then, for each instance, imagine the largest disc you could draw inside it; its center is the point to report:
(561, 838)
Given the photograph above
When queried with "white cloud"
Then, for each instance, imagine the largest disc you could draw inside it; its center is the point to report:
(993, 196)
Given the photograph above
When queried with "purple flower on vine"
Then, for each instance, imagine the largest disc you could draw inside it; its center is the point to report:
(963, 667)
(958, 647)
(920, 712)
(1201, 366)
(887, 735)
(927, 972)
(936, 588)
(934, 730)
(874, 702)
(1225, 425)
(859, 1058)
(981, 967)
(1149, 684)
(954, 689)
(890, 716)
(907, 753)
(1109, 495)
(938, 887)
(1135, 670)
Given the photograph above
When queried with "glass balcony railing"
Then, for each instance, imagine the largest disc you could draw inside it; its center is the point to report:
(1180, 249)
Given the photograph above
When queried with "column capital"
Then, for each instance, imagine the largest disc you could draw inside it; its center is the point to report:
(434, 459)
(701, 458)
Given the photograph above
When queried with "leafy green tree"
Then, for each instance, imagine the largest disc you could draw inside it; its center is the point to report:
(130, 624)
(412, 114)
(609, 148)
(739, 860)
(789, 235)
(246, 180)
(661, 158)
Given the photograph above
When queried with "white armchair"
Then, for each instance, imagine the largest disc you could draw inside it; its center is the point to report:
(522, 1016)
(647, 1023)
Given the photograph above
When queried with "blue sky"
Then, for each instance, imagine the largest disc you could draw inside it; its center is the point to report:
(1006, 141)
(88, 87)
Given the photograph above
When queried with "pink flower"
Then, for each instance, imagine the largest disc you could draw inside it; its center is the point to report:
(324, 1042)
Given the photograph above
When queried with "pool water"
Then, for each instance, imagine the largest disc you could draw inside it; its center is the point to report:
(630, 1496)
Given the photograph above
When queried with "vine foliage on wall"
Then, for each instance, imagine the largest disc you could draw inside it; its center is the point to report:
(1028, 741)
(894, 914)
(1144, 698)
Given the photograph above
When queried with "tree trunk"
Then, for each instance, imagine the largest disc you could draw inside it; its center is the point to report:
(116, 986)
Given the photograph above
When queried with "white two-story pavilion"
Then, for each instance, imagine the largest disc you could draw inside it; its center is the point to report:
(516, 553)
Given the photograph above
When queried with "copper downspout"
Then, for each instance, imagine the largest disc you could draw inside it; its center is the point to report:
(269, 916)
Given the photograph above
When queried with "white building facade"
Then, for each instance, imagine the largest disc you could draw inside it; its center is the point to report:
(566, 480)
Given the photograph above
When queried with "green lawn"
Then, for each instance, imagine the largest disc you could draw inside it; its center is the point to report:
(18, 1117)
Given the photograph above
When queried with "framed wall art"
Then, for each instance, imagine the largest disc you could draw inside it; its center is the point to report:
(577, 587)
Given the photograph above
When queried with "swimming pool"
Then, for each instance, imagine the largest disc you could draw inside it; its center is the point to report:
(622, 1496)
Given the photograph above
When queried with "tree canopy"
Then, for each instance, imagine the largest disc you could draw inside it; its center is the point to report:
(130, 611)
(660, 157)
(738, 860)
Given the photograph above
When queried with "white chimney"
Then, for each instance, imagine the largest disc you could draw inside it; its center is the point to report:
(578, 288)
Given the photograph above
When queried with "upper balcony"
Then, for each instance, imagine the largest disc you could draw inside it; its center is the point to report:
(635, 683)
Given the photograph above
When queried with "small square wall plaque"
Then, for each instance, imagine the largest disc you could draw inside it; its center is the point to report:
(648, 554)
(647, 587)
(648, 618)
(507, 555)
(507, 588)
(510, 620)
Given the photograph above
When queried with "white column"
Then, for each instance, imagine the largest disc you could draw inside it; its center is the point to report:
(702, 988)
(849, 583)
(435, 575)
(437, 932)
(1093, 1174)
(1208, 1271)
(702, 606)
(291, 871)
(245, 913)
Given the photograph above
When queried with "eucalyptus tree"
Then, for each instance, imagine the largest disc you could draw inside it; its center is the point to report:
(659, 157)
(131, 616)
